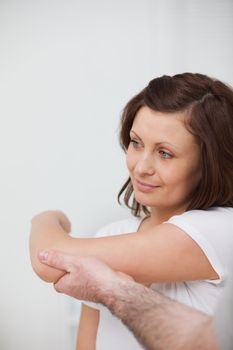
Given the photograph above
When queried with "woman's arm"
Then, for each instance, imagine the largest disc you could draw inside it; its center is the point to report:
(163, 253)
(87, 330)
(47, 230)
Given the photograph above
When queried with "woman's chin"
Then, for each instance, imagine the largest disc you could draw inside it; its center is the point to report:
(145, 202)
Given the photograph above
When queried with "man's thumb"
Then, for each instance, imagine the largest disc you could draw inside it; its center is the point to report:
(53, 259)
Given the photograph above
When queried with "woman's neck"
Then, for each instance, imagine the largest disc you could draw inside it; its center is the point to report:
(158, 216)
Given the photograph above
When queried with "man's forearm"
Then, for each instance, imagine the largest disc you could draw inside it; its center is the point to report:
(158, 322)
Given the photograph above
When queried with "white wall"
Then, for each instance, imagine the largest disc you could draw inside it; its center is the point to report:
(66, 70)
(192, 35)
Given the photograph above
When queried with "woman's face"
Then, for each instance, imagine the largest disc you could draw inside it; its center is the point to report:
(163, 160)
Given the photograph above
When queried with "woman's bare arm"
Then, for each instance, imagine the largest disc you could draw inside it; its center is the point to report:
(163, 253)
(47, 230)
(87, 330)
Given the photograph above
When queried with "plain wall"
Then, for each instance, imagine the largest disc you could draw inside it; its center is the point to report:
(66, 70)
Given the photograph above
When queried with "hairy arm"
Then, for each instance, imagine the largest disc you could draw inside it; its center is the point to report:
(163, 253)
(156, 321)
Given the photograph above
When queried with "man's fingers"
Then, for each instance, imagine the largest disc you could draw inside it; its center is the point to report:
(55, 259)
(58, 285)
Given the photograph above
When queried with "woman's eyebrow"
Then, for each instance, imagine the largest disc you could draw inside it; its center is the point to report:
(158, 143)
(131, 131)
(167, 143)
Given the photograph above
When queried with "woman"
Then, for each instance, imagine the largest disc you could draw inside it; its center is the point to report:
(178, 137)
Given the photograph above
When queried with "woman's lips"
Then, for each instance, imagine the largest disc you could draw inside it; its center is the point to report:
(145, 187)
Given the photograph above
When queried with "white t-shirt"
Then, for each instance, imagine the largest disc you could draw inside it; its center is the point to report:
(212, 230)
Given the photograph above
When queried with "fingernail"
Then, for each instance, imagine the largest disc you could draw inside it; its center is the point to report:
(43, 255)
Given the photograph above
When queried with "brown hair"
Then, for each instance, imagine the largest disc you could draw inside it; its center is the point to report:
(208, 104)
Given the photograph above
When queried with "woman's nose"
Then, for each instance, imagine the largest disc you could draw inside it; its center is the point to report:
(145, 166)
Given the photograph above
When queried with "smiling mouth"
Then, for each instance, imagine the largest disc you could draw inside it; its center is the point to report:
(144, 187)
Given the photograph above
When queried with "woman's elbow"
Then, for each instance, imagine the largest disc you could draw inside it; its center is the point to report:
(45, 272)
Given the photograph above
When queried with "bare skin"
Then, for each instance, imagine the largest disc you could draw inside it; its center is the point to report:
(163, 324)
(163, 245)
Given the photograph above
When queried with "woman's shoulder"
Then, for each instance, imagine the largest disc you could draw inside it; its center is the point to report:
(211, 229)
(213, 214)
(120, 227)
(215, 223)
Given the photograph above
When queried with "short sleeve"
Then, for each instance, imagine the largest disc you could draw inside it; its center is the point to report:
(212, 230)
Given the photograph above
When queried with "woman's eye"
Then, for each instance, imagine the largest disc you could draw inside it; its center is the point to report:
(135, 143)
(165, 154)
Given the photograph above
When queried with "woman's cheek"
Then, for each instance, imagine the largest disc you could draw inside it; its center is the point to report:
(127, 162)
(130, 161)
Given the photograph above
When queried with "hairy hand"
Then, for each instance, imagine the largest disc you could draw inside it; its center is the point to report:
(86, 278)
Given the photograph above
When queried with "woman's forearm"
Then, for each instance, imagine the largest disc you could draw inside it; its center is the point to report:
(162, 253)
(49, 230)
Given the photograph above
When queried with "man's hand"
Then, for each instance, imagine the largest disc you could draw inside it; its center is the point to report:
(86, 278)
(156, 321)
